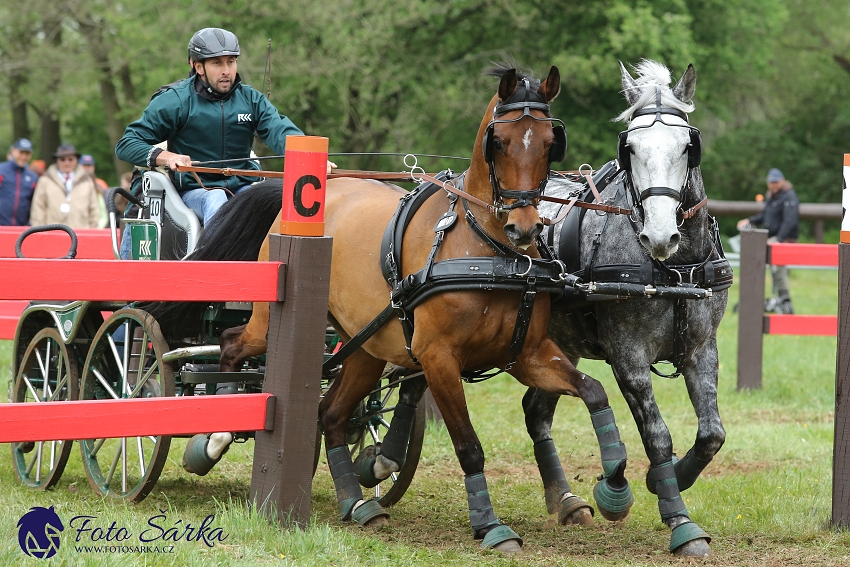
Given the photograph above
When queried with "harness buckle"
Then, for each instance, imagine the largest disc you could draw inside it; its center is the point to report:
(530, 265)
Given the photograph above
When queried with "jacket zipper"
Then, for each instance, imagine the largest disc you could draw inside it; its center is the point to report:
(17, 198)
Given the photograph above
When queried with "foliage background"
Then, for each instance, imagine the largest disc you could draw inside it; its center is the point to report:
(382, 75)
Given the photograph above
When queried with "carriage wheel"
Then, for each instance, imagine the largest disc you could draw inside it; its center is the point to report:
(125, 361)
(369, 425)
(47, 373)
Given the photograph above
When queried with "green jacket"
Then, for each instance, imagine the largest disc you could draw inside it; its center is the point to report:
(198, 122)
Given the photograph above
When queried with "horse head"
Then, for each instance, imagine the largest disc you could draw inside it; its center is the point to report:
(517, 141)
(658, 150)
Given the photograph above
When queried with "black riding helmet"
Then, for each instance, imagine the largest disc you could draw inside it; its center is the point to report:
(212, 42)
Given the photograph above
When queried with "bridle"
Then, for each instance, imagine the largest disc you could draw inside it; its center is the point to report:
(556, 151)
(693, 149)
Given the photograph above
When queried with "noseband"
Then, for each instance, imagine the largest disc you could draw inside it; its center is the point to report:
(556, 152)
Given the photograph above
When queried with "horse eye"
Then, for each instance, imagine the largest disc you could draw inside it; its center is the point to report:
(498, 145)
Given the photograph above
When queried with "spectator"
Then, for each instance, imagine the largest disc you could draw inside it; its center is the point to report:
(38, 166)
(87, 163)
(17, 183)
(66, 194)
(780, 217)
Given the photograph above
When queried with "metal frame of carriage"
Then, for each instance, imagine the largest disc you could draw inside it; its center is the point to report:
(77, 350)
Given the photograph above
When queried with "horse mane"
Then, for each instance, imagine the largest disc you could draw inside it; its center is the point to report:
(234, 234)
(651, 74)
(499, 68)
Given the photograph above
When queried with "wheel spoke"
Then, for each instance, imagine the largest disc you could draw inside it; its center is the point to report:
(96, 447)
(31, 388)
(384, 422)
(141, 456)
(375, 436)
(109, 475)
(124, 457)
(52, 455)
(104, 383)
(115, 353)
(145, 378)
(38, 459)
(59, 385)
(128, 346)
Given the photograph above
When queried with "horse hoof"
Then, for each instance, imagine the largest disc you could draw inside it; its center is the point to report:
(364, 467)
(613, 504)
(695, 548)
(502, 538)
(196, 458)
(370, 514)
(378, 522)
(575, 511)
(689, 540)
(510, 546)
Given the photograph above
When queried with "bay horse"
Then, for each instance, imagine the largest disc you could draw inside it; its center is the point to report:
(670, 238)
(456, 331)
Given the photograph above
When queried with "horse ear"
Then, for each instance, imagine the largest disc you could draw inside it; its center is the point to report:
(550, 88)
(684, 89)
(630, 87)
(507, 85)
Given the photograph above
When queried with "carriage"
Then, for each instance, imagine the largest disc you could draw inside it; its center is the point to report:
(91, 350)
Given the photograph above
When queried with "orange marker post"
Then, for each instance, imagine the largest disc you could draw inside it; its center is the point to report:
(304, 181)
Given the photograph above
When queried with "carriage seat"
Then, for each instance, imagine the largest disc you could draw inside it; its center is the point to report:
(181, 229)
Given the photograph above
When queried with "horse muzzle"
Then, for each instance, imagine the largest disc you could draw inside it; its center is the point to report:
(522, 237)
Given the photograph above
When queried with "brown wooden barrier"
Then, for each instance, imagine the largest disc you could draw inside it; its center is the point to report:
(756, 254)
(299, 272)
(841, 443)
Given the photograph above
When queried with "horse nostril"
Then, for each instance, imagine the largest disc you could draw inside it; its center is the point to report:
(535, 232)
(674, 240)
(644, 240)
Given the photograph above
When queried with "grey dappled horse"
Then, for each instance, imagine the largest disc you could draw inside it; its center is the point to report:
(635, 333)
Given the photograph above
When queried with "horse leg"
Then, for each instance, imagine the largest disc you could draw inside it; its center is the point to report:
(375, 463)
(359, 374)
(443, 374)
(687, 538)
(547, 368)
(539, 408)
(204, 450)
(700, 372)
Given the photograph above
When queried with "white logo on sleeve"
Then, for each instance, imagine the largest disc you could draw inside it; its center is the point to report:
(244, 118)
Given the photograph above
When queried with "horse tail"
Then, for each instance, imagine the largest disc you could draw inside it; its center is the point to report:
(236, 234)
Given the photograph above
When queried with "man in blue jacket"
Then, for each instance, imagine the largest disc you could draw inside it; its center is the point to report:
(209, 116)
(780, 217)
(17, 184)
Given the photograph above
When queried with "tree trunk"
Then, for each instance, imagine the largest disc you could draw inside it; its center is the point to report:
(18, 106)
(49, 135)
(93, 32)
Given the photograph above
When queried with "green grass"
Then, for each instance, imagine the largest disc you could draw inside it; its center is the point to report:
(766, 498)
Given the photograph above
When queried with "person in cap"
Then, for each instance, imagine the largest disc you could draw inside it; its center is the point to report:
(17, 184)
(66, 194)
(780, 217)
(209, 116)
(87, 163)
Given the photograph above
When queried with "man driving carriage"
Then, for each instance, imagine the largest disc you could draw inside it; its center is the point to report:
(209, 116)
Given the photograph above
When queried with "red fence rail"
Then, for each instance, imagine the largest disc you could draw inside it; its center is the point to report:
(756, 254)
(283, 416)
(92, 244)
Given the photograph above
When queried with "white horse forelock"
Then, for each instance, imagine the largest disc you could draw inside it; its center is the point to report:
(651, 74)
